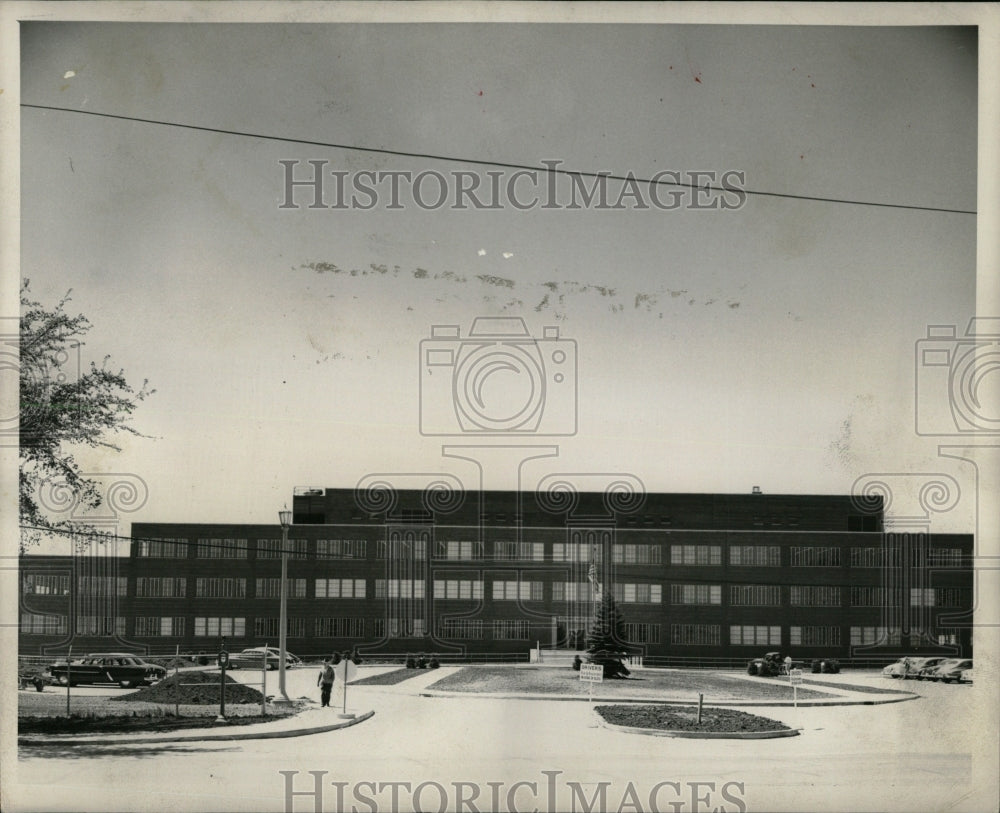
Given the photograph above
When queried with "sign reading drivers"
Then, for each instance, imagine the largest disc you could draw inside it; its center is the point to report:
(592, 672)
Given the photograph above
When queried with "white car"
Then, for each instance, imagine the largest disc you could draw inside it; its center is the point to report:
(907, 668)
(253, 658)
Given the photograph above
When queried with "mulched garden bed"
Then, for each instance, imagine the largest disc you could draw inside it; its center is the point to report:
(205, 692)
(671, 718)
(124, 725)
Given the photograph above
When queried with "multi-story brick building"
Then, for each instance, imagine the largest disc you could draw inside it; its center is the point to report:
(697, 576)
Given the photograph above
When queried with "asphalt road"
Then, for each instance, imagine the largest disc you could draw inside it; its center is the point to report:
(468, 754)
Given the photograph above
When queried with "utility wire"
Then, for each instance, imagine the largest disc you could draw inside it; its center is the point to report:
(486, 163)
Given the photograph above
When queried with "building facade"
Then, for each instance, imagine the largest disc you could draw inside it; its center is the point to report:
(698, 577)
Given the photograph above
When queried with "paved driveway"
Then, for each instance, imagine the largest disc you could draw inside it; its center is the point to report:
(469, 753)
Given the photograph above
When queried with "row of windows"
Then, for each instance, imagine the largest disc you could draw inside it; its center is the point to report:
(502, 629)
(504, 550)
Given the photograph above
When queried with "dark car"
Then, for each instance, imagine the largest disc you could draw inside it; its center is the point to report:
(128, 671)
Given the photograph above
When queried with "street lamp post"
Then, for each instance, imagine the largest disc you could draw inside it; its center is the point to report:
(285, 518)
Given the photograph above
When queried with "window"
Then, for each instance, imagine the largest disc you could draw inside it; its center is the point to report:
(340, 588)
(638, 593)
(153, 627)
(45, 584)
(341, 548)
(399, 588)
(403, 549)
(457, 549)
(511, 630)
(100, 625)
(573, 591)
(102, 585)
(222, 549)
(875, 557)
(36, 624)
(507, 551)
(754, 595)
(875, 636)
(756, 635)
(695, 594)
(693, 634)
(340, 627)
(944, 557)
(271, 549)
(815, 557)
(814, 636)
(160, 587)
(460, 628)
(511, 591)
(399, 627)
(952, 597)
(636, 554)
(755, 555)
(271, 588)
(814, 596)
(696, 554)
(458, 588)
(271, 627)
(874, 597)
(642, 633)
(921, 597)
(214, 627)
(163, 548)
(577, 552)
(220, 588)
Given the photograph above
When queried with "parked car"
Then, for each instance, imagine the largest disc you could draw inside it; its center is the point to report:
(770, 665)
(826, 665)
(128, 671)
(252, 658)
(33, 675)
(907, 668)
(948, 670)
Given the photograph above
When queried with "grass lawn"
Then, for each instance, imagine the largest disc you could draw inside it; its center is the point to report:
(644, 683)
(389, 678)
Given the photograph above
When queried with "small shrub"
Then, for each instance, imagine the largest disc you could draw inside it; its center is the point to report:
(577, 663)
(410, 662)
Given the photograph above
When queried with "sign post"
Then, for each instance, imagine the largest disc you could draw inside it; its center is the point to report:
(591, 673)
(223, 663)
(345, 671)
(795, 678)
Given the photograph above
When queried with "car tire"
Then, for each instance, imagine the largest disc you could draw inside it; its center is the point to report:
(39, 685)
(127, 684)
(63, 680)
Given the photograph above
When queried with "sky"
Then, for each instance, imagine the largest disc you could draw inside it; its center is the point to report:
(771, 344)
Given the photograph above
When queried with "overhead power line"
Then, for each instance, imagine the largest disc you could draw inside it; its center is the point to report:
(488, 163)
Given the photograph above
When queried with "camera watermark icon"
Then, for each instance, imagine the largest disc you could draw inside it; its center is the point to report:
(498, 380)
(957, 381)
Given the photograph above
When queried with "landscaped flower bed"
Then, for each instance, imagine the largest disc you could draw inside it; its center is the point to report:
(672, 718)
(389, 678)
(643, 684)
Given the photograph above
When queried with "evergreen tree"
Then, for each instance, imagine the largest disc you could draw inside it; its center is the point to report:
(606, 642)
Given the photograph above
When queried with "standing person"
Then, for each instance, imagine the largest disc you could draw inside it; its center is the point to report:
(325, 682)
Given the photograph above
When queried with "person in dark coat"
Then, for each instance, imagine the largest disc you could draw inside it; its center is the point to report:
(325, 682)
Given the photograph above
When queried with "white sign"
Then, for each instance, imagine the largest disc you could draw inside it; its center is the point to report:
(592, 672)
(794, 676)
(345, 671)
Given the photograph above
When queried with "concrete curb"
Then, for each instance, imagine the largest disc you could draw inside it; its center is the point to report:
(702, 735)
(122, 739)
(668, 702)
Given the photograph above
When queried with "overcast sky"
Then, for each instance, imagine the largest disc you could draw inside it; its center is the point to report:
(768, 345)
